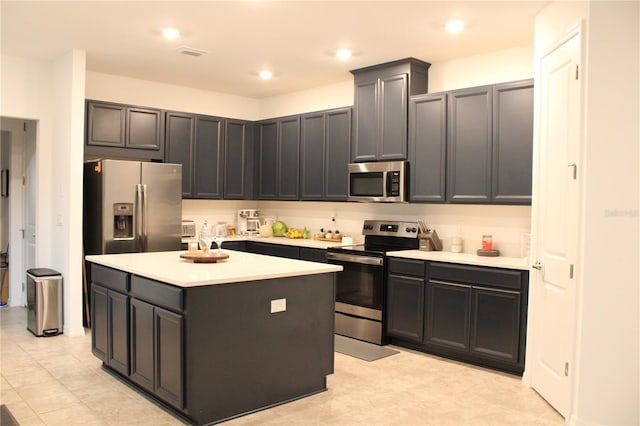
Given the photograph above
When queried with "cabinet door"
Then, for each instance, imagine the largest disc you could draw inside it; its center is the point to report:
(267, 159)
(118, 354)
(237, 160)
(99, 322)
(289, 158)
(405, 308)
(312, 156)
(338, 143)
(142, 344)
(447, 315)
(393, 118)
(106, 124)
(469, 146)
(427, 148)
(144, 129)
(169, 356)
(180, 145)
(512, 142)
(208, 157)
(366, 124)
(495, 324)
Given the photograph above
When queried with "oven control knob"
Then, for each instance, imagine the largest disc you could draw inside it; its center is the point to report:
(414, 230)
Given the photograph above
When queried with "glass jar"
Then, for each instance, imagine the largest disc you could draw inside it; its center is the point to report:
(487, 243)
(456, 245)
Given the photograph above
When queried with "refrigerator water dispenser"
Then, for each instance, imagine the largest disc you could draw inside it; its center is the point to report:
(123, 221)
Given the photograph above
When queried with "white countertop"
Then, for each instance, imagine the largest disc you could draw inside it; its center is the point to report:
(464, 258)
(168, 267)
(299, 242)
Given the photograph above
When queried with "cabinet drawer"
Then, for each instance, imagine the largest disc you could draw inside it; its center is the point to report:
(110, 278)
(476, 275)
(157, 293)
(407, 267)
(313, 255)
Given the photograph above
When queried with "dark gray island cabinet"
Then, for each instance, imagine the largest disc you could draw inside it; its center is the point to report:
(212, 352)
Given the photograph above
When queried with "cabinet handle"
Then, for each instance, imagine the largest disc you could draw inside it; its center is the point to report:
(537, 266)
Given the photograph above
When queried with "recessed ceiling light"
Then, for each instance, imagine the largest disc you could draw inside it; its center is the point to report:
(170, 33)
(454, 26)
(343, 54)
(265, 74)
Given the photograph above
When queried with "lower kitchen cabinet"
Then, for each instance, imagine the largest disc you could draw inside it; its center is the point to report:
(405, 300)
(156, 351)
(495, 324)
(109, 340)
(448, 313)
(469, 313)
(156, 339)
(110, 319)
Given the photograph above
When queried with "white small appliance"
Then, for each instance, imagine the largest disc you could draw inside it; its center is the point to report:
(248, 221)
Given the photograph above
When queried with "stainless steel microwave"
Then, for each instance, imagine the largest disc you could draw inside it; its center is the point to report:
(382, 181)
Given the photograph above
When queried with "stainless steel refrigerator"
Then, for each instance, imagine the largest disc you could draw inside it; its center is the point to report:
(132, 206)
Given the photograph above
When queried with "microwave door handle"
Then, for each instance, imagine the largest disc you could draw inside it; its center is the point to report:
(387, 186)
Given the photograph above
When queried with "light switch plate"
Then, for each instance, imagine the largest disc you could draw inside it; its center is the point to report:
(278, 305)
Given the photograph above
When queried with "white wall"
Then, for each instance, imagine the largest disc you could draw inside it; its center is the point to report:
(115, 88)
(608, 336)
(52, 93)
(66, 188)
(490, 68)
(605, 386)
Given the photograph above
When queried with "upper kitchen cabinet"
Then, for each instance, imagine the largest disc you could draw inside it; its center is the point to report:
(469, 145)
(512, 142)
(324, 154)
(238, 160)
(427, 148)
(278, 158)
(490, 141)
(196, 142)
(381, 97)
(124, 131)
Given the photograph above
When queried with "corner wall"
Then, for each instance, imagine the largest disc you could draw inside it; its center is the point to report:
(608, 377)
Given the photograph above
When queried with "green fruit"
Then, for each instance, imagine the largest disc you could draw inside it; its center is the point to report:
(279, 229)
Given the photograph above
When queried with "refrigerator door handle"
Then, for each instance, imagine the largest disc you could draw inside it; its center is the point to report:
(139, 219)
(145, 218)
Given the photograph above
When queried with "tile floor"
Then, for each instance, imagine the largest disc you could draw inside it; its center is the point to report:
(57, 381)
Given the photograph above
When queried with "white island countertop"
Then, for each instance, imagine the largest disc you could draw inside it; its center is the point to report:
(464, 258)
(169, 268)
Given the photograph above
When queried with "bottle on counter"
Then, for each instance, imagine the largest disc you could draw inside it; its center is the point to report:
(205, 237)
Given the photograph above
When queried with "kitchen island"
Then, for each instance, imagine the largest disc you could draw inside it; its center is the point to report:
(213, 341)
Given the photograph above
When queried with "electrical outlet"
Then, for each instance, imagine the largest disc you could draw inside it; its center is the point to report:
(278, 305)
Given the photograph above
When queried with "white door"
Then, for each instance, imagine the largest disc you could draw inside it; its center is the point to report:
(555, 219)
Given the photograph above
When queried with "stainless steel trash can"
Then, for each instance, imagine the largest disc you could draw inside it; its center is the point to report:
(44, 302)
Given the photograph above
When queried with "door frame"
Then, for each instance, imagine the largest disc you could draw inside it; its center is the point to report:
(577, 30)
(18, 201)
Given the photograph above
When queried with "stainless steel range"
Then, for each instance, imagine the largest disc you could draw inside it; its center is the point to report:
(360, 287)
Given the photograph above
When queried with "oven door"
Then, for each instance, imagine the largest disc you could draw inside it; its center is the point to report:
(361, 282)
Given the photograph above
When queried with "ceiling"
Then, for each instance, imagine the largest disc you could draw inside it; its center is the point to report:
(296, 40)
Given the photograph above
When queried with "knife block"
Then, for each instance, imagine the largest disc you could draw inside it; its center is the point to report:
(429, 241)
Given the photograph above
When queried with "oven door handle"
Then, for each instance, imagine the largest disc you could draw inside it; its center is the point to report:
(353, 258)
